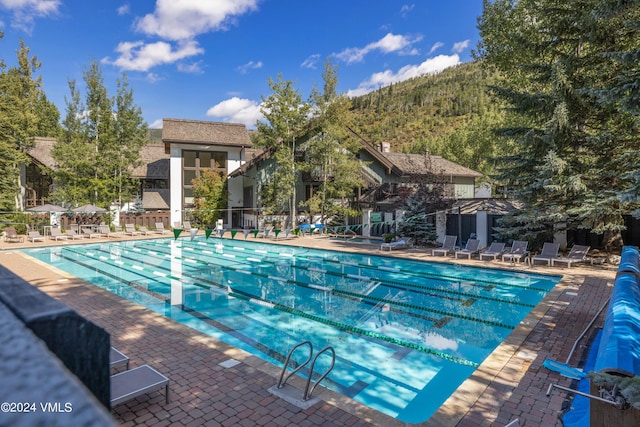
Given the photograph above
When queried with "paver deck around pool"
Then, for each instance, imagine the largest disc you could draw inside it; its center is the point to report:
(511, 383)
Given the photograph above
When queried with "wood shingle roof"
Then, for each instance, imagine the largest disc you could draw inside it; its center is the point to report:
(204, 132)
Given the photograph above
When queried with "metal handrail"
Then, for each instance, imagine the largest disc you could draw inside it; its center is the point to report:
(282, 382)
(307, 391)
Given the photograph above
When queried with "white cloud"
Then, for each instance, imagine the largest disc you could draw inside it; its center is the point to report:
(124, 9)
(237, 110)
(436, 46)
(243, 69)
(138, 56)
(460, 46)
(385, 78)
(157, 124)
(311, 61)
(185, 19)
(388, 44)
(193, 68)
(25, 11)
(405, 9)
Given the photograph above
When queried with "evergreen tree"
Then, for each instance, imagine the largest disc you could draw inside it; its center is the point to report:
(286, 116)
(428, 196)
(564, 166)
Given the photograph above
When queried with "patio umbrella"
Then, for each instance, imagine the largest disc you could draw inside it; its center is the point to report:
(47, 208)
(88, 209)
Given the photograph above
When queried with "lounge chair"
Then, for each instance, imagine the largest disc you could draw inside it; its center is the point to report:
(73, 235)
(135, 382)
(549, 252)
(448, 246)
(56, 234)
(518, 251)
(186, 226)
(105, 231)
(130, 229)
(577, 254)
(402, 243)
(90, 233)
(144, 230)
(35, 236)
(160, 228)
(471, 248)
(11, 235)
(118, 359)
(493, 251)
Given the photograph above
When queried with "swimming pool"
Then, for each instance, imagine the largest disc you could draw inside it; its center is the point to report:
(406, 333)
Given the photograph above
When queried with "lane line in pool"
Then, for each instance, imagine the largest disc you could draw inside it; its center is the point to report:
(353, 329)
(389, 283)
(363, 296)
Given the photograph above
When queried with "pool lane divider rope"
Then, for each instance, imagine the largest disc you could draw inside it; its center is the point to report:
(391, 283)
(444, 277)
(363, 296)
(275, 305)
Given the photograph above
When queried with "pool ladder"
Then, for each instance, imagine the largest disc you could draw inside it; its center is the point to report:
(307, 391)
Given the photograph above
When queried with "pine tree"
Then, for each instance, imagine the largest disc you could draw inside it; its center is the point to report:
(552, 55)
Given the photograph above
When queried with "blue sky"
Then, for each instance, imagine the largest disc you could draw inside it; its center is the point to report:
(211, 59)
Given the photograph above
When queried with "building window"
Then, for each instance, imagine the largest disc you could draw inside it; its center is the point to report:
(193, 163)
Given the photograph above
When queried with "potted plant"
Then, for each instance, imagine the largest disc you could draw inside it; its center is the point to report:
(388, 237)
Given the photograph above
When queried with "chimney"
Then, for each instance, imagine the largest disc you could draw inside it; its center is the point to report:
(384, 147)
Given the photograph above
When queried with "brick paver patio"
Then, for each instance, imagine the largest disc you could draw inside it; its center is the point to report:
(510, 384)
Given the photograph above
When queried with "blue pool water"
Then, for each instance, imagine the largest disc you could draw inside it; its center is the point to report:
(406, 333)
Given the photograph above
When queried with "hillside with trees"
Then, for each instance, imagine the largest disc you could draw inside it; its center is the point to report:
(450, 113)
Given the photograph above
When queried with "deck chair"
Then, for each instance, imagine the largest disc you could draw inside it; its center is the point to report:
(130, 229)
(549, 252)
(91, 233)
(493, 251)
(471, 248)
(56, 234)
(35, 236)
(518, 251)
(117, 359)
(576, 255)
(448, 246)
(106, 232)
(73, 234)
(186, 226)
(402, 243)
(160, 228)
(144, 230)
(135, 382)
(11, 235)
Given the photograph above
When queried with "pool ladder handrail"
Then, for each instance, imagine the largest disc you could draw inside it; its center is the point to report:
(307, 391)
(281, 381)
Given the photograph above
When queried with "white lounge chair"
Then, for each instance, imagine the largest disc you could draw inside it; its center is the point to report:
(471, 248)
(493, 251)
(35, 236)
(448, 246)
(56, 234)
(160, 228)
(518, 251)
(73, 235)
(576, 255)
(402, 243)
(130, 229)
(88, 232)
(106, 232)
(548, 254)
